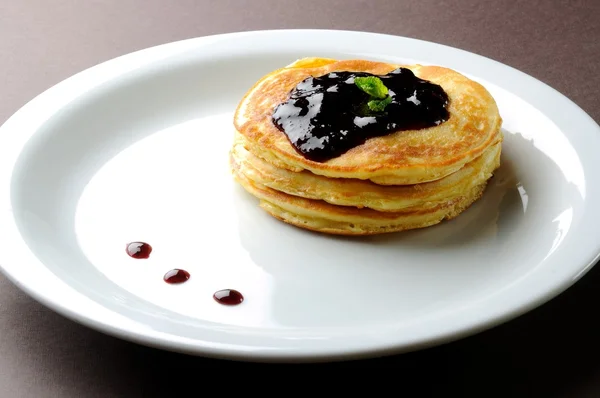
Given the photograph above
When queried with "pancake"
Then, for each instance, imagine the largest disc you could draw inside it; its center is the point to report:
(329, 177)
(400, 158)
(360, 193)
(320, 216)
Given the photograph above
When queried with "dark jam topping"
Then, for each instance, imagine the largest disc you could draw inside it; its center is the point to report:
(176, 276)
(228, 297)
(139, 250)
(328, 115)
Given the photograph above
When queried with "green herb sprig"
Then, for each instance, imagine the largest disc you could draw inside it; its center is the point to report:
(378, 92)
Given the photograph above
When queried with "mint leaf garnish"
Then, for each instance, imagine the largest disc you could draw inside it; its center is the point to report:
(378, 105)
(378, 92)
(372, 85)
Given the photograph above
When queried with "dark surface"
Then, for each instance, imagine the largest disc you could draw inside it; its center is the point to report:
(552, 351)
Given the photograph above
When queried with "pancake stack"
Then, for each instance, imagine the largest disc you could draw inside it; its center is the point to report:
(406, 179)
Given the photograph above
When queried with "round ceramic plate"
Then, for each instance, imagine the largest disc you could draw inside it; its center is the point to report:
(136, 149)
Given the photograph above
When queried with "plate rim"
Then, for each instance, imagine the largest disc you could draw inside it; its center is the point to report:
(112, 68)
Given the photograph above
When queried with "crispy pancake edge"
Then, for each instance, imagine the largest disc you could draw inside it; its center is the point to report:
(359, 193)
(320, 216)
(358, 229)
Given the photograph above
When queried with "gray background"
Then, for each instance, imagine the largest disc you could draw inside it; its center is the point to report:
(552, 351)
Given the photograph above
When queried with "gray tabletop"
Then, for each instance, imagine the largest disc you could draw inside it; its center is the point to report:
(551, 351)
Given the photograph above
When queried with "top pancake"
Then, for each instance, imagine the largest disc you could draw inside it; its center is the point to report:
(402, 157)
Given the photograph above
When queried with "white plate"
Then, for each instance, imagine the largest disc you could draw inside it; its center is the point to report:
(136, 149)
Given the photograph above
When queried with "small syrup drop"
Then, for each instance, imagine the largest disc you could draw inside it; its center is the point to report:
(228, 297)
(175, 276)
(139, 250)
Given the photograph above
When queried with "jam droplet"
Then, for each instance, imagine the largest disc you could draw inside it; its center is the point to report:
(138, 250)
(325, 116)
(176, 276)
(228, 297)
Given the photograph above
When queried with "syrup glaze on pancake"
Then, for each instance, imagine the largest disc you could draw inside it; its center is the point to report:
(402, 157)
(325, 116)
